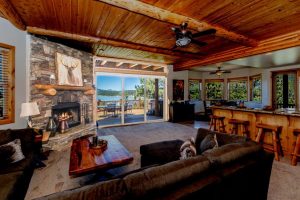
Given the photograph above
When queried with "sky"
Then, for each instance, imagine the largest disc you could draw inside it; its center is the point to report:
(115, 83)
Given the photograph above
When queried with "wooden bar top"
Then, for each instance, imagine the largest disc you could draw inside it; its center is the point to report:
(288, 112)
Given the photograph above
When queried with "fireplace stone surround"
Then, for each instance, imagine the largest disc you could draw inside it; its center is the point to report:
(42, 67)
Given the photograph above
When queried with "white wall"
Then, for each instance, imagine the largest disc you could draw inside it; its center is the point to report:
(14, 37)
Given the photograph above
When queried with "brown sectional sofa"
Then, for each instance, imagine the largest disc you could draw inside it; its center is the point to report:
(238, 169)
(15, 178)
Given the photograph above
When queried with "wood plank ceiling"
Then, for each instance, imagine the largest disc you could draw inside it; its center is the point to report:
(141, 30)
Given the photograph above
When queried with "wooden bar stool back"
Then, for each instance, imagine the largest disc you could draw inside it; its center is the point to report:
(217, 123)
(275, 130)
(235, 126)
(296, 153)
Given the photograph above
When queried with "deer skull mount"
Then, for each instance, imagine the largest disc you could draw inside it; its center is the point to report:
(70, 66)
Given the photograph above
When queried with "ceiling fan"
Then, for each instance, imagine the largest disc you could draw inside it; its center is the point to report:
(185, 37)
(219, 71)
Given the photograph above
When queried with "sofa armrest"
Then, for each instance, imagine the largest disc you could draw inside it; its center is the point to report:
(160, 152)
(27, 137)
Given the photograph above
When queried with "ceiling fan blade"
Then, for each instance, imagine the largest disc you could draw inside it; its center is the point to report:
(207, 32)
(199, 43)
(227, 71)
(174, 47)
(212, 72)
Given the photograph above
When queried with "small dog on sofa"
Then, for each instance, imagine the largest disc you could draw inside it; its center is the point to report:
(188, 149)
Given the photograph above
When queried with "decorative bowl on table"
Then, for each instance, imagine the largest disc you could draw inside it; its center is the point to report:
(99, 144)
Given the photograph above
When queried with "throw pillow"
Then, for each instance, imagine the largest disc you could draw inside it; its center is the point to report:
(188, 149)
(17, 154)
(209, 142)
(6, 153)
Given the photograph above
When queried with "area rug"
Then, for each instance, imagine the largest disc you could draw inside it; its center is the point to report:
(55, 178)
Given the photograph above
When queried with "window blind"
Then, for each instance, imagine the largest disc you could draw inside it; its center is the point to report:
(4, 79)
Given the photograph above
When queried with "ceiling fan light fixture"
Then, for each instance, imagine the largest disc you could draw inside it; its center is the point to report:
(183, 41)
(219, 73)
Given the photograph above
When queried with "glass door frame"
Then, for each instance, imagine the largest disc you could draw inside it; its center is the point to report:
(123, 77)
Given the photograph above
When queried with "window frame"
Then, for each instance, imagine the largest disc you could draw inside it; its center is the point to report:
(290, 71)
(214, 80)
(201, 89)
(251, 87)
(245, 78)
(11, 85)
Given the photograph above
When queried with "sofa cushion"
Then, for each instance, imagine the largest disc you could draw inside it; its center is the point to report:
(25, 164)
(5, 136)
(8, 184)
(27, 139)
(162, 152)
(221, 137)
(209, 142)
(6, 153)
(231, 152)
(107, 190)
(164, 176)
(17, 151)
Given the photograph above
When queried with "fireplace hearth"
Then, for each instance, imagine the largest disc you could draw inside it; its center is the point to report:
(67, 111)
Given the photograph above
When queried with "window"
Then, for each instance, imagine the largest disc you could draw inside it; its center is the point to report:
(284, 89)
(214, 89)
(238, 89)
(256, 88)
(7, 54)
(195, 89)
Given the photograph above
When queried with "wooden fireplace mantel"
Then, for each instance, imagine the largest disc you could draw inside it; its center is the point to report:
(51, 90)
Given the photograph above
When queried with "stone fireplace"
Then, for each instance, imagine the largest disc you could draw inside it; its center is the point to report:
(69, 111)
(65, 101)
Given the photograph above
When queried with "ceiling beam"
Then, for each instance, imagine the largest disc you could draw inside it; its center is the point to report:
(157, 67)
(129, 61)
(174, 18)
(11, 14)
(264, 46)
(103, 62)
(146, 66)
(111, 42)
(133, 65)
(119, 64)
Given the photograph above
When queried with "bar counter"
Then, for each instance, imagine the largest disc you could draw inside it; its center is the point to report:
(287, 118)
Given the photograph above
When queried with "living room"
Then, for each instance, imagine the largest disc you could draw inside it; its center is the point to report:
(112, 99)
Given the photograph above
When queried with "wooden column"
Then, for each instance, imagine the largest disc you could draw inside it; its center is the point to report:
(156, 95)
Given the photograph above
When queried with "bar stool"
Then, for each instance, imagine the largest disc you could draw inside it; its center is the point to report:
(235, 126)
(217, 123)
(275, 130)
(296, 153)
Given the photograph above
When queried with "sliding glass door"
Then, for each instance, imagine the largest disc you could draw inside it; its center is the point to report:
(109, 97)
(127, 99)
(154, 98)
(134, 100)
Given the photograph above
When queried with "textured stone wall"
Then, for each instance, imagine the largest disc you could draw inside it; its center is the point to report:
(42, 65)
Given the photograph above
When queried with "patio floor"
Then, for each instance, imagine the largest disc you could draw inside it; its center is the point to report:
(132, 116)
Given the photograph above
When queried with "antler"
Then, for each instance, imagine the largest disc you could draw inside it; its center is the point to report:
(63, 62)
(74, 65)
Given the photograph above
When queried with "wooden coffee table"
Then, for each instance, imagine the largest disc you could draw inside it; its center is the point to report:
(85, 160)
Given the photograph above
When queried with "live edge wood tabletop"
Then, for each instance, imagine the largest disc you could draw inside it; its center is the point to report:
(84, 160)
